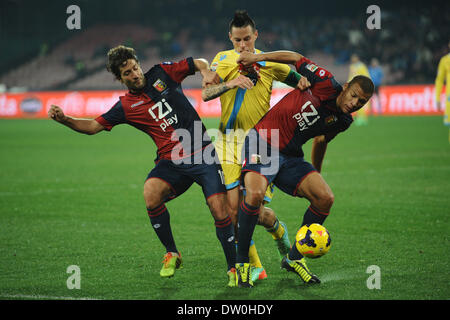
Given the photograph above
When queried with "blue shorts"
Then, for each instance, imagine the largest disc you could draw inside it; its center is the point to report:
(286, 172)
(181, 176)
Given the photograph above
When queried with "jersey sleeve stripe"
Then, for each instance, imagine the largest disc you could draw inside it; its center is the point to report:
(191, 64)
(104, 123)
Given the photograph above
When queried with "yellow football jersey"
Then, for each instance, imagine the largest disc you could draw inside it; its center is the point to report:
(443, 75)
(242, 109)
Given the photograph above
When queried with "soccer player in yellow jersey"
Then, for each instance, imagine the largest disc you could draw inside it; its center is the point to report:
(357, 67)
(245, 99)
(443, 75)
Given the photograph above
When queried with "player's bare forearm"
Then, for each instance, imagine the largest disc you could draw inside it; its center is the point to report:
(282, 56)
(319, 147)
(201, 64)
(209, 77)
(86, 126)
(214, 91)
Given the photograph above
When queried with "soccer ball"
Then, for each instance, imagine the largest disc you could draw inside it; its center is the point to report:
(313, 240)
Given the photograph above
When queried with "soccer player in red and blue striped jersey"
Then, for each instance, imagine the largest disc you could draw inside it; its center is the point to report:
(156, 105)
(273, 150)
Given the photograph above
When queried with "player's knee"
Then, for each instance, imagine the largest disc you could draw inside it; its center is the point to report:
(329, 199)
(325, 201)
(152, 200)
(153, 197)
(255, 197)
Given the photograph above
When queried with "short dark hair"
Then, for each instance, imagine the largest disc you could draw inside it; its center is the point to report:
(241, 19)
(117, 57)
(364, 82)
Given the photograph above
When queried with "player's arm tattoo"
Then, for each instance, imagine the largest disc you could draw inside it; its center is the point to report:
(214, 91)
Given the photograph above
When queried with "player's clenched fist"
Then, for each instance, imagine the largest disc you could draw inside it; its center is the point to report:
(56, 113)
(246, 58)
(210, 78)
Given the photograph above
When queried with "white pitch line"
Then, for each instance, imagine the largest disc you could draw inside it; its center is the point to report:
(339, 276)
(44, 297)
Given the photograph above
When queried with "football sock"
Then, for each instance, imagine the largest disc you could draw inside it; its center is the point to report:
(225, 234)
(312, 215)
(253, 255)
(247, 217)
(160, 220)
(294, 254)
(276, 231)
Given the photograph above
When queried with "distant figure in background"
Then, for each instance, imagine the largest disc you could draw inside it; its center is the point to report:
(376, 73)
(357, 67)
(443, 75)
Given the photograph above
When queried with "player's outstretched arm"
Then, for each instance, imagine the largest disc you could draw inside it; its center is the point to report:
(282, 56)
(214, 91)
(87, 126)
(294, 79)
(209, 77)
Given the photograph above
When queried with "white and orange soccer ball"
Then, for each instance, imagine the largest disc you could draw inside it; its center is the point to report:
(313, 240)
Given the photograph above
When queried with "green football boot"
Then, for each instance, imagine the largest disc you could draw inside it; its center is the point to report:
(243, 275)
(283, 244)
(170, 262)
(258, 273)
(231, 277)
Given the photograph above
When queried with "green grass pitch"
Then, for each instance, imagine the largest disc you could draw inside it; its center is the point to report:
(70, 199)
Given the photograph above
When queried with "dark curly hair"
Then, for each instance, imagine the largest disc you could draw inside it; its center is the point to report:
(241, 19)
(118, 57)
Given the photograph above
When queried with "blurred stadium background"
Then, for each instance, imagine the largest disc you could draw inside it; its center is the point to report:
(41, 54)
